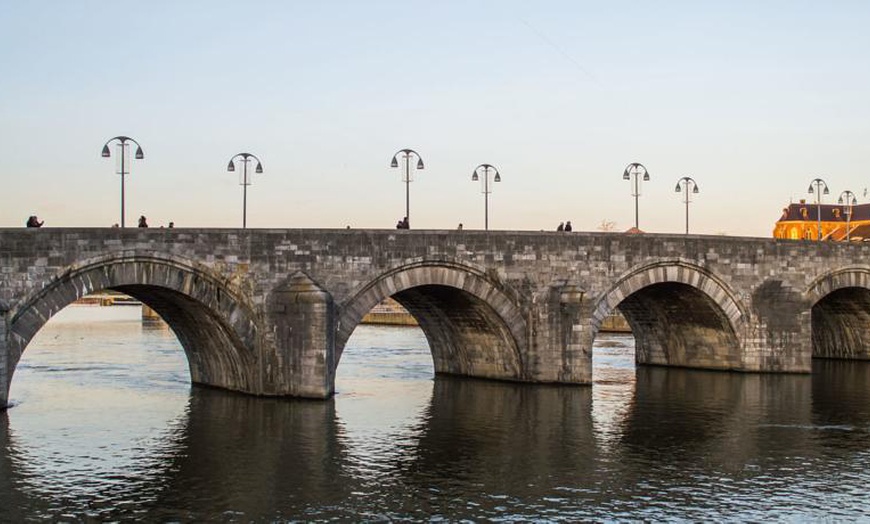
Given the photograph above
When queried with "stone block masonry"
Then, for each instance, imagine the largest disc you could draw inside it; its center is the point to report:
(269, 311)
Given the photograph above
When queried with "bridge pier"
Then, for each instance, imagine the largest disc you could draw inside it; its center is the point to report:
(569, 338)
(302, 316)
(778, 336)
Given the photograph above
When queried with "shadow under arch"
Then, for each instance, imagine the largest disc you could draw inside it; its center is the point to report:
(216, 329)
(473, 324)
(680, 314)
(840, 314)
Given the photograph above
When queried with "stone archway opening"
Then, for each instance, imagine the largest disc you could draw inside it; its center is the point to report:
(216, 332)
(676, 324)
(464, 334)
(101, 346)
(841, 324)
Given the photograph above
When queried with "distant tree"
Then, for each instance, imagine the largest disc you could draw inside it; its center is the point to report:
(607, 225)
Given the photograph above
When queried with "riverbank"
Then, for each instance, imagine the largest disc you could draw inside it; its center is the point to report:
(391, 313)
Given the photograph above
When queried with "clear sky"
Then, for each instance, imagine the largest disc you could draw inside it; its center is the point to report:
(753, 99)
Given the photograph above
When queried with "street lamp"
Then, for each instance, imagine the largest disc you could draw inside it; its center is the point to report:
(848, 198)
(245, 158)
(683, 184)
(636, 170)
(122, 146)
(486, 189)
(406, 178)
(818, 189)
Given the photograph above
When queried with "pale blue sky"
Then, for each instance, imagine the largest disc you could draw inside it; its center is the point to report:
(752, 99)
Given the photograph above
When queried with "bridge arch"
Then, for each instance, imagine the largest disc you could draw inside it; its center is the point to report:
(680, 314)
(840, 313)
(473, 322)
(217, 330)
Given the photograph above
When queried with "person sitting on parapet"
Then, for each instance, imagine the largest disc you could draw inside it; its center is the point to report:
(400, 225)
(561, 227)
(405, 224)
(568, 226)
(171, 225)
(142, 221)
(33, 221)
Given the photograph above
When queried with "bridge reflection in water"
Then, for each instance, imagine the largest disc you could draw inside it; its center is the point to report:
(650, 443)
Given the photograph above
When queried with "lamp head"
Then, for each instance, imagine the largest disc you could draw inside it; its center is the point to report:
(474, 177)
(696, 189)
(395, 162)
(497, 177)
(645, 175)
(139, 154)
(231, 166)
(825, 191)
(106, 153)
(810, 190)
(419, 163)
(259, 168)
(678, 188)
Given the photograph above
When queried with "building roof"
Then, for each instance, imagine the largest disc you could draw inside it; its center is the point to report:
(805, 211)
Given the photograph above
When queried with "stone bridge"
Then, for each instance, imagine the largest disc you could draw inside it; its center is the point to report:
(268, 312)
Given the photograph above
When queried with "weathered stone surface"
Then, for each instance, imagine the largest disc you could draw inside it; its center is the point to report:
(268, 312)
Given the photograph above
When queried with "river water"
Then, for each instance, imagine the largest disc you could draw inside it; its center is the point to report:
(104, 425)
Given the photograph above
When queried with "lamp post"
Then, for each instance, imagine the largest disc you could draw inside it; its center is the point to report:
(684, 184)
(635, 170)
(848, 198)
(122, 146)
(820, 188)
(484, 170)
(406, 177)
(245, 158)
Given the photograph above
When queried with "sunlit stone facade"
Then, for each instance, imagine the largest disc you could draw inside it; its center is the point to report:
(801, 222)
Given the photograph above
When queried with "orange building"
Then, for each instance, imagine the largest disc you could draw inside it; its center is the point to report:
(801, 221)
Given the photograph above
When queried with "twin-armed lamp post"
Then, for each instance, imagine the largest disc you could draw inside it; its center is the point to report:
(244, 181)
(484, 170)
(819, 187)
(684, 184)
(122, 146)
(406, 176)
(636, 170)
(848, 199)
